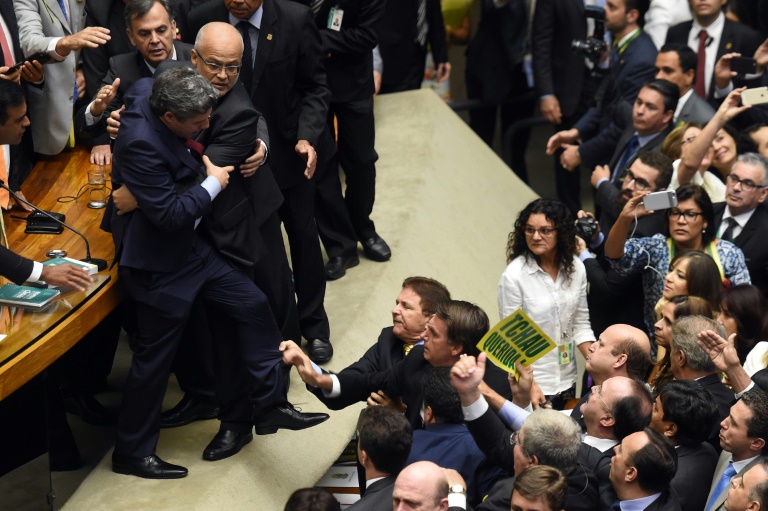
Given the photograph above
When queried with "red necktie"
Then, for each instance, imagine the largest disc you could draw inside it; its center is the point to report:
(702, 65)
(195, 146)
(8, 59)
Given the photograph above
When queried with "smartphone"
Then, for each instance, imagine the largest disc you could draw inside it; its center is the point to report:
(660, 200)
(756, 96)
(744, 65)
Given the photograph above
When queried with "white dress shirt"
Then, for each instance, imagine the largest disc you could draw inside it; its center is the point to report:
(558, 307)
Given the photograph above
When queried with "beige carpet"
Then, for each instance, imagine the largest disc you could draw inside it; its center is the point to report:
(445, 204)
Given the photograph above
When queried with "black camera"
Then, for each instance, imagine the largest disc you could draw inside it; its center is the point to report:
(594, 46)
(586, 228)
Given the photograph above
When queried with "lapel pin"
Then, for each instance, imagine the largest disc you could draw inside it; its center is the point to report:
(728, 46)
(269, 37)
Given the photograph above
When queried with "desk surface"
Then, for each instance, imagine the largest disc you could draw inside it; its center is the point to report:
(37, 339)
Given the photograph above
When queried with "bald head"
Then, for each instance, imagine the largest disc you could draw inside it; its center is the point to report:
(218, 55)
(422, 486)
(621, 350)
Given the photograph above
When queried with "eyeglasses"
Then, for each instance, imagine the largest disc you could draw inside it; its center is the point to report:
(216, 68)
(640, 183)
(690, 216)
(746, 184)
(544, 232)
(598, 391)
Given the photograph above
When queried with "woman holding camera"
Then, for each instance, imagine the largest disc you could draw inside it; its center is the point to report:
(687, 229)
(548, 282)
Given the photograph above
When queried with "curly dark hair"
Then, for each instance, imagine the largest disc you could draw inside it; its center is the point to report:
(557, 213)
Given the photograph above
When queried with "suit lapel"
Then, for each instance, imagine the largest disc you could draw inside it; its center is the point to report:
(725, 46)
(54, 10)
(267, 35)
(749, 229)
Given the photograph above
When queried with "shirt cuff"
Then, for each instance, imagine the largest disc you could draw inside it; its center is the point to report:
(749, 387)
(91, 119)
(37, 272)
(335, 390)
(601, 182)
(585, 255)
(513, 415)
(721, 93)
(600, 239)
(52, 49)
(475, 410)
(266, 154)
(212, 186)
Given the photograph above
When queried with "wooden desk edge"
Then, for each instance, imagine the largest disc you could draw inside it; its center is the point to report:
(61, 338)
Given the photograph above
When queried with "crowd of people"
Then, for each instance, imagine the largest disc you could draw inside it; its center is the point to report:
(225, 119)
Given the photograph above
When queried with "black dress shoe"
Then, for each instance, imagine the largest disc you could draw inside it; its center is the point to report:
(287, 417)
(320, 351)
(89, 409)
(191, 408)
(226, 443)
(337, 266)
(151, 467)
(376, 249)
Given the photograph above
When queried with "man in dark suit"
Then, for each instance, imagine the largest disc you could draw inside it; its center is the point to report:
(677, 63)
(151, 33)
(743, 218)
(165, 264)
(652, 114)
(405, 29)
(684, 412)
(711, 35)
(495, 73)
(416, 303)
(347, 47)
(455, 328)
(559, 77)
(22, 156)
(108, 14)
(632, 59)
(287, 84)
(383, 445)
(743, 437)
(554, 440)
(642, 469)
(689, 361)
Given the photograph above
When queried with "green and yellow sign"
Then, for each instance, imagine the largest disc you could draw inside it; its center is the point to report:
(515, 338)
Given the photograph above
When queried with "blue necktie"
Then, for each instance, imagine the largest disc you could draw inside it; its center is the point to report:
(722, 484)
(626, 156)
(64, 9)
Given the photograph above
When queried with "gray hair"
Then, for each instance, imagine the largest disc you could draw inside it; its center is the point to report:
(553, 438)
(685, 338)
(139, 8)
(183, 92)
(758, 160)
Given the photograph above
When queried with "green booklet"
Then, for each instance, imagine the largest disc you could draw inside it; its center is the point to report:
(56, 261)
(27, 296)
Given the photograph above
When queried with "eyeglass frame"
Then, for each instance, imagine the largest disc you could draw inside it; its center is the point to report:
(746, 184)
(544, 232)
(598, 390)
(514, 439)
(216, 68)
(675, 214)
(640, 184)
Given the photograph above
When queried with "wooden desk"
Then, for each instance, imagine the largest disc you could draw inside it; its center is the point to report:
(37, 339)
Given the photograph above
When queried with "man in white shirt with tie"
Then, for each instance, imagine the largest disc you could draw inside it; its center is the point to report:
(743, 218)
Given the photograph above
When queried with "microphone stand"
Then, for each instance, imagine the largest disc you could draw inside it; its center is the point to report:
(101, 264)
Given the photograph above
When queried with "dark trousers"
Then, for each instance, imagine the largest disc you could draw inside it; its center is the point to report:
(483, 120)
(342, 221)
(163, 305)
(298, 216)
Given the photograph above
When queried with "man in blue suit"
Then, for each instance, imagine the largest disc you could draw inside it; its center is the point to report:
(165, 264)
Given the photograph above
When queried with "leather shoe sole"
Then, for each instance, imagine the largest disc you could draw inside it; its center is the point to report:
(226, 443)
(337, 266)
(287, 417)
(188, 410)
(151, 467)
(320, 351)
(376, 249)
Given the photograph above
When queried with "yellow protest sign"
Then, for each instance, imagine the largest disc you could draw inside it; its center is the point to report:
(515, 338)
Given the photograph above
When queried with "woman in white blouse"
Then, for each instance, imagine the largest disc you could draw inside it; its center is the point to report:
(547, 281)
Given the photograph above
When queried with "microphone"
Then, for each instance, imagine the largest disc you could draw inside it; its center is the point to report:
(101, 264)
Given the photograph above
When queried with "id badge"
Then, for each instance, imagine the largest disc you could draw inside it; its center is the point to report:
(335, 16)
(565, 353)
